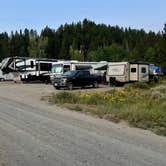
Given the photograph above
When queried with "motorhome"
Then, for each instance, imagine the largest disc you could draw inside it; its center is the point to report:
(124, 72)
(63, 66)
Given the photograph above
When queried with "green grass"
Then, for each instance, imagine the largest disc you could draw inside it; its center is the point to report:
(140, 105)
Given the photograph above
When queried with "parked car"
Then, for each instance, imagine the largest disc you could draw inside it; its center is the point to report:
(77, 78)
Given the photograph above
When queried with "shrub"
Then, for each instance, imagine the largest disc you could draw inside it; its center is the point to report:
(138, 85)
(64, 97)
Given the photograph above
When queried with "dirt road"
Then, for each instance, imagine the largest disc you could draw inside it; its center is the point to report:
(33, 133)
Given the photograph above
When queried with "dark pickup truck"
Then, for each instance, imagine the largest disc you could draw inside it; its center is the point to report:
(78, 78)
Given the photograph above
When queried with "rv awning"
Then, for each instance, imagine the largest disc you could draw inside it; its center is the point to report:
(83, 67)
(103, 67)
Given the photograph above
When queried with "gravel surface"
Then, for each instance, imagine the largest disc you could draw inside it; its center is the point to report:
(34, 133)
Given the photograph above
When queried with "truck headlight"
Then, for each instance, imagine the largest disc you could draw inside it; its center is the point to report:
(64, 80)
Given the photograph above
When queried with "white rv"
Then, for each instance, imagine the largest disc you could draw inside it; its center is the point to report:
(63, 66)
(123, 72)
(28, 68)
(38, 69)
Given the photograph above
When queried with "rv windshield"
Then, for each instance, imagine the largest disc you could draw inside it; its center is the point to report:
(58, 68)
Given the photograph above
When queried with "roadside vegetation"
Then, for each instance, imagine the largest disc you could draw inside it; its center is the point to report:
(140, 105)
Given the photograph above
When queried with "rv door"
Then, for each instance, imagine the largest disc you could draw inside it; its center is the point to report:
(143, 73)
(134, 72)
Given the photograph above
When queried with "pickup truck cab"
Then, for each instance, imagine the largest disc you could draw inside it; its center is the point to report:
(77, 78)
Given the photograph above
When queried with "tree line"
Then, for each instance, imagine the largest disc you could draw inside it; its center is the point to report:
(87, 41)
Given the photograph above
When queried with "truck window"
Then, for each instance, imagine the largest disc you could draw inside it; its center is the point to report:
(83, 74)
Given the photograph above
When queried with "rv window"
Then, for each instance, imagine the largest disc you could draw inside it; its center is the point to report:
(143, 70)
(133, 70)
(45, 67)
(32, 64)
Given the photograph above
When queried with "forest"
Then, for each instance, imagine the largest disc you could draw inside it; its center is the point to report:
(87, 41)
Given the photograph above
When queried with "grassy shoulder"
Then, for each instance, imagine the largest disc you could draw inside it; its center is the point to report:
(138, 104)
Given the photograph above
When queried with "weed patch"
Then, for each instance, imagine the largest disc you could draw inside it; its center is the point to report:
(139, 105)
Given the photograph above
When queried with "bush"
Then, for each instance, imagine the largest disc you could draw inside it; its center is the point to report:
(138, 85)
(64, 97)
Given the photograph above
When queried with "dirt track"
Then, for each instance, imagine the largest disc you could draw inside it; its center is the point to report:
(35, 133)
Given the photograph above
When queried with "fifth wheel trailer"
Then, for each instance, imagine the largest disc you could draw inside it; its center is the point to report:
(124, 72)
(28, 69)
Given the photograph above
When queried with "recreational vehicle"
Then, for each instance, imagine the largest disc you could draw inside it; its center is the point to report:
(124, 72)
(39, 69)
(63, 66)
(28, 68)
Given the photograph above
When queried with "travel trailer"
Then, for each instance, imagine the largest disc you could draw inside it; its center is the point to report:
(124, 72)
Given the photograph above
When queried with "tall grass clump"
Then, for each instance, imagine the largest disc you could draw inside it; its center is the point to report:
(138, 85)
(64, 97)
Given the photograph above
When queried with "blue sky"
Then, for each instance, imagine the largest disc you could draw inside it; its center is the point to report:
(36, 14)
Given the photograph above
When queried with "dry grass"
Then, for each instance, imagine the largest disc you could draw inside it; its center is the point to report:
(141, 106)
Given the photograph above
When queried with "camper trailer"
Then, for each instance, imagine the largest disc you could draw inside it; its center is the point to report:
(124, 72)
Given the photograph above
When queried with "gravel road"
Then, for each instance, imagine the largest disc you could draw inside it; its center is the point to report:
(34, 133)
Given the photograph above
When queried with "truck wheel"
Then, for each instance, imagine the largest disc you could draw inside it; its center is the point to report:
(95, 84)
(70, 86)
(57, 87)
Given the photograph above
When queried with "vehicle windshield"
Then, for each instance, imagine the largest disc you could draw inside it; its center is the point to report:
(70, 73)
(57, 68)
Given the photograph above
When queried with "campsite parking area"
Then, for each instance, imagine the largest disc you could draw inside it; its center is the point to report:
(33, 132)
